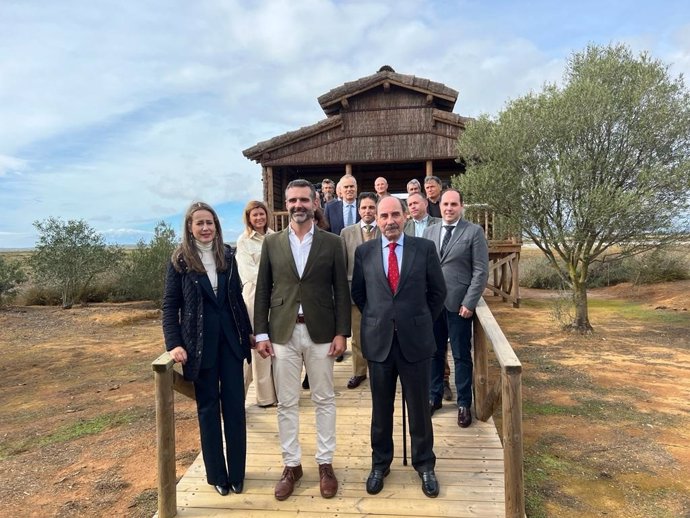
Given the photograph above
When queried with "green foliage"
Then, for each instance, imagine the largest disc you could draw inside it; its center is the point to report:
(11, 276)
(69, 255)
(144, 275)
(594, 170)
(659, 267)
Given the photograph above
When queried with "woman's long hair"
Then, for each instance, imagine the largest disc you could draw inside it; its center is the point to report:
(255, 204)
(188, 251)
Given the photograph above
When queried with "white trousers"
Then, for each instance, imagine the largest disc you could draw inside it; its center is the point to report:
(287, 373)
(260, 373)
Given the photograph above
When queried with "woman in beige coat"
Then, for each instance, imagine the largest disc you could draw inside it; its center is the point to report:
(256, 216)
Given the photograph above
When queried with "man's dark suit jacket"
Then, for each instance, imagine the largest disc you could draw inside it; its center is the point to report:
(334, 216)
(322, 290)
(421, 280)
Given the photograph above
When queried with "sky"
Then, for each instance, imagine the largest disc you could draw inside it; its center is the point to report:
(123, 113)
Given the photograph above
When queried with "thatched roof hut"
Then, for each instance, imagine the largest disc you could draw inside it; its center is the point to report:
(387, 124)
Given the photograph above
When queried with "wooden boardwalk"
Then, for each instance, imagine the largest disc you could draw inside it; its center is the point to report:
(469, 467)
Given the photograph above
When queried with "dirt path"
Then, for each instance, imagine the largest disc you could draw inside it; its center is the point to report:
(605, 418)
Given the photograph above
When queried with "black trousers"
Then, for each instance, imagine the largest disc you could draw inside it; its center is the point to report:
(414, 378)
(220, 391)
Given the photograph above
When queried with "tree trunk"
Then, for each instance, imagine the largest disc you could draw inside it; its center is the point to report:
(581, 323)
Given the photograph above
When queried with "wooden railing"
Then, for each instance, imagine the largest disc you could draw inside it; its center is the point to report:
(167, 378)
(506, 391)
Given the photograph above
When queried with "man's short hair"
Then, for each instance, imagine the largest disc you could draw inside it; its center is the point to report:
(302, 183)
(414, 181)
(452, 189)
(430, 179)
(367, 196)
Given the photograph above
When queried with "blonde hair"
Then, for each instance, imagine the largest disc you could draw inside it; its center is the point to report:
(187, 251)
(255, 204)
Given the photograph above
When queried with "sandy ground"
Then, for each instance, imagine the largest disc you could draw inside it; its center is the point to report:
(77, 420)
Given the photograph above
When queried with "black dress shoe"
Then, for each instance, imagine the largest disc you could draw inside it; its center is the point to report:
(355, 381)
(222, 490)
(305, 382)
(429, 483)
(434, 406)
(464, 416)
(340, 358)
(375, 480)
(237, 487)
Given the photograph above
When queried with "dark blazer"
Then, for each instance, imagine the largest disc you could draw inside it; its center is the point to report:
(417, 302)
(465, 263)
(196, 326)
(322, 290)
(334, 216)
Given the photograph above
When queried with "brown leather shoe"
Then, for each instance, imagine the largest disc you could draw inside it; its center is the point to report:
(464, 416)
(328, 483)
(286, 484)
(355, 381)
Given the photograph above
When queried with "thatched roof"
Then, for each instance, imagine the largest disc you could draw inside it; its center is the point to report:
(445, 97)
(399, 131)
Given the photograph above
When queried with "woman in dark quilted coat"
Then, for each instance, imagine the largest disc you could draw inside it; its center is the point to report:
(207, 330)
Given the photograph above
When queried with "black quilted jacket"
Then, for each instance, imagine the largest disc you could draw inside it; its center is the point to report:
(183, 316)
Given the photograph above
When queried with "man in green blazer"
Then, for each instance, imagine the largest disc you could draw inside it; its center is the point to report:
(302, 316)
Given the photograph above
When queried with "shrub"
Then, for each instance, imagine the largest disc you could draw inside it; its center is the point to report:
(537, 272)
(658, 266)
(11, 277)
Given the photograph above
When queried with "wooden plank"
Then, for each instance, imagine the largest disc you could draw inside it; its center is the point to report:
(469, 467)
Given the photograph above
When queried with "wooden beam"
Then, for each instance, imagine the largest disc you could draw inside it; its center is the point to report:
(165, 435)
(429, 98)
(348, 168)
(386, 86)
(345, 103)
(512, 445)
(429, 168)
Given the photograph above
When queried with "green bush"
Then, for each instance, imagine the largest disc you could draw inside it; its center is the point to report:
(143, 277)
(659, 266)
(537, 272)
(11, 277)
(649, 268)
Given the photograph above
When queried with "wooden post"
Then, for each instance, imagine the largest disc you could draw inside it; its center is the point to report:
(348, 169)
(165, 436)
(430, 168)
(504, 280)
(512, 442)
(515, 269)
(268, 186)
(481, 368)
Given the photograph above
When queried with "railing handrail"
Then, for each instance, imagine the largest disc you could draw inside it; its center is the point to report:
(505, 355)
(508, 390)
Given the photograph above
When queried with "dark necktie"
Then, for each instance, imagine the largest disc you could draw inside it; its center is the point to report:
(393, 273)
(446, 238)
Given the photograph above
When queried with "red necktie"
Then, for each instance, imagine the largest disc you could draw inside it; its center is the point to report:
(393, 272)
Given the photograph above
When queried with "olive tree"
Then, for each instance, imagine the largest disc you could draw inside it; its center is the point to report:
(145, 273)
(69, 255)
(11, 276)
(595, 169)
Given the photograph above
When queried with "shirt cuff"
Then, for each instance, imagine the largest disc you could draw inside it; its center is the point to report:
(261, 337)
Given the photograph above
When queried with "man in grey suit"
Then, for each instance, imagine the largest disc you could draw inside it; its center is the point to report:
(464, 255)
(398, 285)
(302, 316)
(419, 217)
(353, 236)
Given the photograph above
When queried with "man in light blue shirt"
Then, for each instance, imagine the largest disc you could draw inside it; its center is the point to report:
(420, 219)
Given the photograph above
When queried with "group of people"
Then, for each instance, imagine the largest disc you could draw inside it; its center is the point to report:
(398, 280)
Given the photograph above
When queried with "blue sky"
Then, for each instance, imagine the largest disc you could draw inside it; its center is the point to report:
(122, 113)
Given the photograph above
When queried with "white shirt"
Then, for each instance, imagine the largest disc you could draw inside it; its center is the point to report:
(300, 253)
(398, 252)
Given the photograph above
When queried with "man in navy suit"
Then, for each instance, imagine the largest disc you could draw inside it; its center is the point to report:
(398, 285)
(340, 214)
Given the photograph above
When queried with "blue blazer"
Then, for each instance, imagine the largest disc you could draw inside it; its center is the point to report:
(334, 216)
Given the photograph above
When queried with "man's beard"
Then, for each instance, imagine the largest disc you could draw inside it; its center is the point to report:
(308, 214)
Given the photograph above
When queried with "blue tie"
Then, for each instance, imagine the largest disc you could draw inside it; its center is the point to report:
(349, 220)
